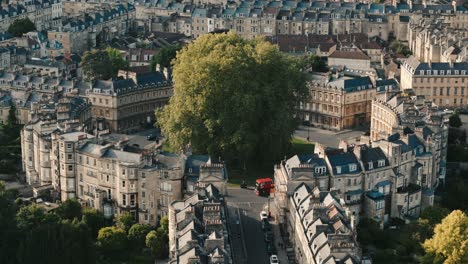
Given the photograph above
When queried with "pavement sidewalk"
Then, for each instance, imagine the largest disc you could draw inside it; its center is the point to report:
(282, 257)
(278, 239)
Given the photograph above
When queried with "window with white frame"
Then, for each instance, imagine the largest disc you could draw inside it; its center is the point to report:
(381, 163)
(352, 167)
(371, 165)
(338, 169)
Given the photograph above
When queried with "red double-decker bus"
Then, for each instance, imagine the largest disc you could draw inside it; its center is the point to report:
(264, 186)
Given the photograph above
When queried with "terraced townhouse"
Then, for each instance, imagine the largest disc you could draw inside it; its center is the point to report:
(43, 13)
(270, 18)
(393, 173)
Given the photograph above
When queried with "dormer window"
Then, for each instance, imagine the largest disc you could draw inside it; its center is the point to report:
(352, 167)
(381, 163)
(338, 169)
(371, 165)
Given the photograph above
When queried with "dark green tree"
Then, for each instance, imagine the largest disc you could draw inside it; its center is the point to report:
(455, 121)
(70, 209)
(8, 231)
(97, 65)
(112, 241)
(165, 56)
(400, 48)
(158, 241)
(313, 62)
(12, 120)
(233, 98)
(57, 242)
(31, 216)
(434, 214)
(21, 26)
(124, 221)
(137, 235)
(94, 219)
(117, 60)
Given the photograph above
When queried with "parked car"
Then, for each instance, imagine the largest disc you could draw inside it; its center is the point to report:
(263, 215)
(151, 137)
(274, 259)
(266, 226)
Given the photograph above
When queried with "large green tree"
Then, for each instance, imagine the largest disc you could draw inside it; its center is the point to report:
(125, 220)
(165, 56)
(158, 241)
(455, 121)
(234, 98)
(137, 235)
(117, 60)
(8, 230)
(21, 26)
(450, 240)
(57, 242)
(112, 240)
(94, 219)
(69, 209)
(96, 64)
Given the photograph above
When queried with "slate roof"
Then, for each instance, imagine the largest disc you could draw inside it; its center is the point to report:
(194, 161)
(375, 195)
(352, 55)
(352, 85)
(373, 155)
(343, 160)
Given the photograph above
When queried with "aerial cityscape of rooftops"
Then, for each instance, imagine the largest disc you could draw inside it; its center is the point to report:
(233, 131)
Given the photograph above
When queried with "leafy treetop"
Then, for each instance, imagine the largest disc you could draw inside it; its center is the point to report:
(233, 98)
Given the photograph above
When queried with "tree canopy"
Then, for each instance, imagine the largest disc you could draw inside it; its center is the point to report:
(233, 98)
(137, 234)
(69, 209)
(158, 241)
(112, 240)
(450, 240)
(21, 26)
(94, 219)
(117, 60)
(125, 221)
(165, 56)
(455, 121)
(313, 62)
(102, 64)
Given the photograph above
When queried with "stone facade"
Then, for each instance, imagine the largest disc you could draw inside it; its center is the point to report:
(204, 214)
(273, 18)
(128, 104)
(338, 101)
(444, 83)
(321, 228)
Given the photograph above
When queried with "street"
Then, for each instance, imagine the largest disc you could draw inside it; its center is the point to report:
(326, 137)
(250, 207)
(139, 138)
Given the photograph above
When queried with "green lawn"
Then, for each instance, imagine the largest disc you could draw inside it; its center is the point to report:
(300, 146)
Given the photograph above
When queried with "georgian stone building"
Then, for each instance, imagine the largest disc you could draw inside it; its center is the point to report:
(337, 101)
(322, 230)
(128, 104)
(391, 174)
(413, 135)
(202, 215)
(443, 83)
(108, 174)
